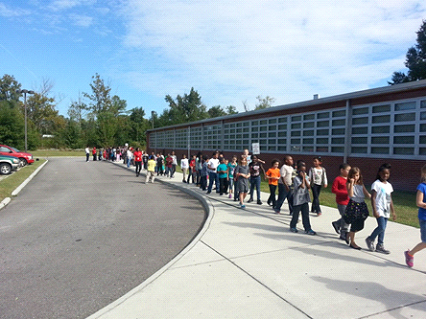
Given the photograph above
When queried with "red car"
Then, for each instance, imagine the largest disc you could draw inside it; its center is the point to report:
(26, 158)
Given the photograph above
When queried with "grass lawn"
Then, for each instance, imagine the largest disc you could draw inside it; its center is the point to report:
(56, 152)
(9, 184)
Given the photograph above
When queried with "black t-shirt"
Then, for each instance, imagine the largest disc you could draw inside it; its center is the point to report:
(255, 168)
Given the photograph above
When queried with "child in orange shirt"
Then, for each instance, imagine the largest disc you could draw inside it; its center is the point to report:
(273, 175)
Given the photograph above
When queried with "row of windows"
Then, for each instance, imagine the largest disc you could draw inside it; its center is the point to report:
(387, 129)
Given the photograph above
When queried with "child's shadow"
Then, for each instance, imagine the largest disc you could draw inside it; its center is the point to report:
(393, 300)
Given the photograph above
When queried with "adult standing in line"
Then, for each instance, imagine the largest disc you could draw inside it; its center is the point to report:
(138, 161)
(285, 184)
(94, 153)
(247, 156)
(212, 165)
(87, 150)
(199, 167)
(255, 168)
(129, 156)
(174, 164)
(184, 165)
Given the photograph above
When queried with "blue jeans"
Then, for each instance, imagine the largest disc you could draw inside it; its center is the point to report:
(283, 194)
(129, 160)
(255, 182)
(213, 177)
(380, 230)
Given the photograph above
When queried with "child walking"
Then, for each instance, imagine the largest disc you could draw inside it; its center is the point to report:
(222, 170)
(242, 173)
(421, 204)
(301, 199)
(356, 211)
(150, 174)
(231, 167)
(381, 200)
(342, 200)
(204, 173)
(318, 178)
(273, 175)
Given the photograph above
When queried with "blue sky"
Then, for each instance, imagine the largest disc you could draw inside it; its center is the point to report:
(229, 51)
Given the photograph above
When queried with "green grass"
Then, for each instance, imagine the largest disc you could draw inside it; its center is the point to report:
(9, 184)
(56, 152)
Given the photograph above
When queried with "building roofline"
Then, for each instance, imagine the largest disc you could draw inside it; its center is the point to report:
(341, 97)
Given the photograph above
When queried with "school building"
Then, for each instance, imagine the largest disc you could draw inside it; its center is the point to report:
(365, 129)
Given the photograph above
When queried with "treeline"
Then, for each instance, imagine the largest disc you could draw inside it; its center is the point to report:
(96, 119)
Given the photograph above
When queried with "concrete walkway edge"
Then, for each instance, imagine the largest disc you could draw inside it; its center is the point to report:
(210, 214)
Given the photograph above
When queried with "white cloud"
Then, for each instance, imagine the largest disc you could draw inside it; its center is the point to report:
(81, 20)
(287, 50)
(60, 5)
(9, 13)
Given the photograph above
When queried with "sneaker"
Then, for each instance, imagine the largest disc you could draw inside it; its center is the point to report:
(370, 243)
(336, 227)
(343, 235)
(294, 230)
(259, 202)
(310, 232)
(250, 200)
(276, 211)
(230, 195)
(381, 249)
(319, 214)
(409, 260)
(243, 206)
(208, 192)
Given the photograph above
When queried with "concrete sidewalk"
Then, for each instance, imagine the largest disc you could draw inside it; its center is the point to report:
(247, 264)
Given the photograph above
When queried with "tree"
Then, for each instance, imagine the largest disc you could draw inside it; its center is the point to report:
(186, 108)
(231, 110)
(264, 103)
(138, 123)
(216, 111)
(12, 124)
(100, 97)
(8, 88)
(415, 60)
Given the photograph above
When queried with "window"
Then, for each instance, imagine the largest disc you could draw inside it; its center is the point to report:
(359, 111)
(405, 106)
(381, 108)
(380, 129)
(380, 150)
(404, 117)
(403, 150)
(307, 117)
(360, 130)
(359, 140)
(324, 115)
(403, 128)
(338, 131)
(403, 140)
(339, 122)
(381, 119)
(360, 120)
(339, 113)
(380, 140)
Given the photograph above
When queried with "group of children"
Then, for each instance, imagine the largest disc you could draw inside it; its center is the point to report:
(294, 183)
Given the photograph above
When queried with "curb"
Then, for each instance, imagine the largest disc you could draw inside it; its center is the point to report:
(7, 200)
(206, 225)
(4, 202)
(20, 187)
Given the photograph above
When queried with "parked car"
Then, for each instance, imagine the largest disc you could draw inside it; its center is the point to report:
(25, 158)
(8, 164)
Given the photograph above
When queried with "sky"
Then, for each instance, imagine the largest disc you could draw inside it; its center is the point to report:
(230, 51)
